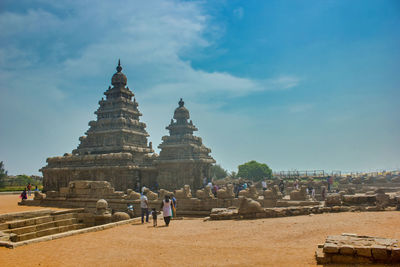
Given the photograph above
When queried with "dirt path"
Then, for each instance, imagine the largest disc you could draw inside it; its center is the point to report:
(9, 203)
(289, 241)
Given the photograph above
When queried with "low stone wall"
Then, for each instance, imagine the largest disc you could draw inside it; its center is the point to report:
(85, 194)
(234, 213)
(355, 249)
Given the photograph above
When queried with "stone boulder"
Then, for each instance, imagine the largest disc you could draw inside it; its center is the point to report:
(248, 206)
(205, 193)
(120, 216)
(226, 193)
(183, 193)
(299, 195)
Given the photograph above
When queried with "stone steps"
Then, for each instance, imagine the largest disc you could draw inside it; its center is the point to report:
(48, 231)
(30, 228)
(42, 226)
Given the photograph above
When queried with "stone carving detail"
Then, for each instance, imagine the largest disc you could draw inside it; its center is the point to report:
(185, 192)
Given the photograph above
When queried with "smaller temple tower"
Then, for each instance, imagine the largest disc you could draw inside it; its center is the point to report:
(183, 158)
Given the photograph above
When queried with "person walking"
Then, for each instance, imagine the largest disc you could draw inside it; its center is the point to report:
(173, 206)
(166, 208)
(144, 205)
(23, 195)
(29, 189)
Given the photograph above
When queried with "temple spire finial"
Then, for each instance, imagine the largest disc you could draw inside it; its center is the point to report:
(181, 103)
(119, 68)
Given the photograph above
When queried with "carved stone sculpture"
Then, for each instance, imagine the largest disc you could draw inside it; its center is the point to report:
(226, 193)
(185, 192)
(299, 195)
(164, 193)
(250, 192)
(205, 193)
(248, 205)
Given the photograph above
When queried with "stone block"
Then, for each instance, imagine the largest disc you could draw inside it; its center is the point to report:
(330, 248)
(43, 219)
(379, 252)
(50, 231)
(395, 255)
(82, 191)
(3, 226)
(337, 258)
(44, 226)
(346, 250)
(363, 251)
(64, 190)
(81, 184)
(64, 216)
(25, 237)
(321, 257)
(24, 230)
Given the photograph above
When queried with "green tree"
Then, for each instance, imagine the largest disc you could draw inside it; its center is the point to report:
(254, 170)
(218, 172)
(3, 174)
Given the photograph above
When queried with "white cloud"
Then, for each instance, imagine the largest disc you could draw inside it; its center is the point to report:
(53, 60)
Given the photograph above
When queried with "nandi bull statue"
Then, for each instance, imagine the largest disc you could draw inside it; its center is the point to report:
(205, 193)
(184, 192)
(164, 193)
(248, 205)
(300, 194)
(226, 193)
(249, 192)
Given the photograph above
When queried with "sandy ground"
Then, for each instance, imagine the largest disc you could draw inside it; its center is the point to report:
(289, 241)
(9, 203)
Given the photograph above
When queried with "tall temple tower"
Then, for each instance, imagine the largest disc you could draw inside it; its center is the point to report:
(183, 158)
(115, 147)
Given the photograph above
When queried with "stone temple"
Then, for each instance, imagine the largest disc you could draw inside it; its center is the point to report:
(116, 149)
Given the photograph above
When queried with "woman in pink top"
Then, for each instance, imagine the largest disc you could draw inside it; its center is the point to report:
(166, 208)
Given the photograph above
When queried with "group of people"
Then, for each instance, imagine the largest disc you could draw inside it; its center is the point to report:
(28, 191)
(168, 207)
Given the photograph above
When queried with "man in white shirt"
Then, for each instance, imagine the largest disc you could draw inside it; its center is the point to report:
(264, 185)
(144, 205)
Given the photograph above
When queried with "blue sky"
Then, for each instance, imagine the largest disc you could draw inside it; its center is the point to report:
(295, 84)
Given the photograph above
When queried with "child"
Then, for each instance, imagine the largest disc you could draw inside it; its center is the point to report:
(154, 214)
